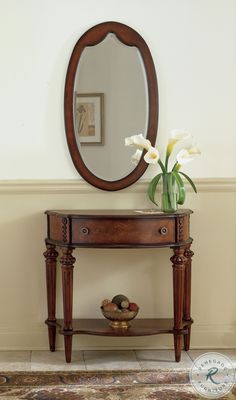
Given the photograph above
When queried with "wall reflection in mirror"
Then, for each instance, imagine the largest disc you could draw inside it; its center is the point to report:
(110, 103)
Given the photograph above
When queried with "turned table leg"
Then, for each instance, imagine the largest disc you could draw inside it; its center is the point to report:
(187, 294)
(51, 261)
(67, 261)
(178, 260)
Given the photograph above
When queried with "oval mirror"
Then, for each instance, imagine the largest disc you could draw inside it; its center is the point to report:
(110, 93)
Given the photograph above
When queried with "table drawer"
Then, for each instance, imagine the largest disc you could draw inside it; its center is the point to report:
(123, 231)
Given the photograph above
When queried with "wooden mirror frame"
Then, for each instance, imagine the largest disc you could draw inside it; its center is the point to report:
(94, 36)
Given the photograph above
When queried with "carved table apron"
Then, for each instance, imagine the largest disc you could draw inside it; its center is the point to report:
(69, 229)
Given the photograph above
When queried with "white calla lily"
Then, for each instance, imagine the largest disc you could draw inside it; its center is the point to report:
(152, 156)
(136, 156)
(172, 178)
(176, 136)
(129, 141)
(186, 155)
(139, 141)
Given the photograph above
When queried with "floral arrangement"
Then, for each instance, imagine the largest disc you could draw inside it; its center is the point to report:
(173, 190)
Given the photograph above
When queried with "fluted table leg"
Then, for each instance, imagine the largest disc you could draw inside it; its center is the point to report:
(187, 294)
(51, 261)
(67, 261)
(178, 260)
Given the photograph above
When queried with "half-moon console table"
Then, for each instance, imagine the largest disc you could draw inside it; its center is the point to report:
(69, 229)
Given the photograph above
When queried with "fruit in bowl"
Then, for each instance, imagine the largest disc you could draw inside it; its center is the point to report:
(119, 311)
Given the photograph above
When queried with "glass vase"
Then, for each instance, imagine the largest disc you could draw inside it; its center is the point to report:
(169, 195)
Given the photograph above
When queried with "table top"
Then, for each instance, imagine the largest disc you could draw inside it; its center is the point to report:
(139, 213)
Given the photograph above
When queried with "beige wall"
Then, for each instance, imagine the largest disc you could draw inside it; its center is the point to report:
(193, 47)
(144, 275)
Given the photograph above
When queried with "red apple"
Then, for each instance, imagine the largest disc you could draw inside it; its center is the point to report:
(133, 307)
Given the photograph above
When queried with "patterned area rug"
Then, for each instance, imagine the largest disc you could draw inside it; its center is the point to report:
(99, 385)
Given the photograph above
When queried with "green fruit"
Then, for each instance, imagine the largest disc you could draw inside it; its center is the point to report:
(119, 299)
(124, 304)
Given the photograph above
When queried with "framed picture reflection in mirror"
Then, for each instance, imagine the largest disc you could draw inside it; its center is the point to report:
(89, 115)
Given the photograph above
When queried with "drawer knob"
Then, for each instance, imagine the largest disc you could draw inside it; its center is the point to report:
(84, 230)
(163, 231)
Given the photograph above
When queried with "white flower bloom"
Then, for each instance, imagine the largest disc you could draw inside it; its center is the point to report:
(129, 141)
(175, 136)
(186, 155)
(139, 141)
(152, 156)
(194, 151)
(136, 156)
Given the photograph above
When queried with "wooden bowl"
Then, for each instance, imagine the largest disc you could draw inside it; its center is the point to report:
(119, 319)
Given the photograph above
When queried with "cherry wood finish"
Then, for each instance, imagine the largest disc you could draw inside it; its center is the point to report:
(51, 261)
(92, 37)
(139, 327)
(179, 261)
(68, 229)
(67, 261)
(187, 298)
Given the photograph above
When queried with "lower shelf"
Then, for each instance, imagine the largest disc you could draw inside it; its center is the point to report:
(138, 327)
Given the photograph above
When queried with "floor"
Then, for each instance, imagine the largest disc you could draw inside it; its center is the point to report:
(101, 360)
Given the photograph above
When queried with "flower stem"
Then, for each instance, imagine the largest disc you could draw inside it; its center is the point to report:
(166, 161)
(162, 166)
(168, 194)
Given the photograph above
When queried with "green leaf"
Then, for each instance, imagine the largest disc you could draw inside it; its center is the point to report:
(152, 187)
(181, 188)
(190, 181)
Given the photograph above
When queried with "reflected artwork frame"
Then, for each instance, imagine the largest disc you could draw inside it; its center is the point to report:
(89, 117)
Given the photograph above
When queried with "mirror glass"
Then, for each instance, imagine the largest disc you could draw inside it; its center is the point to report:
(110, 103)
